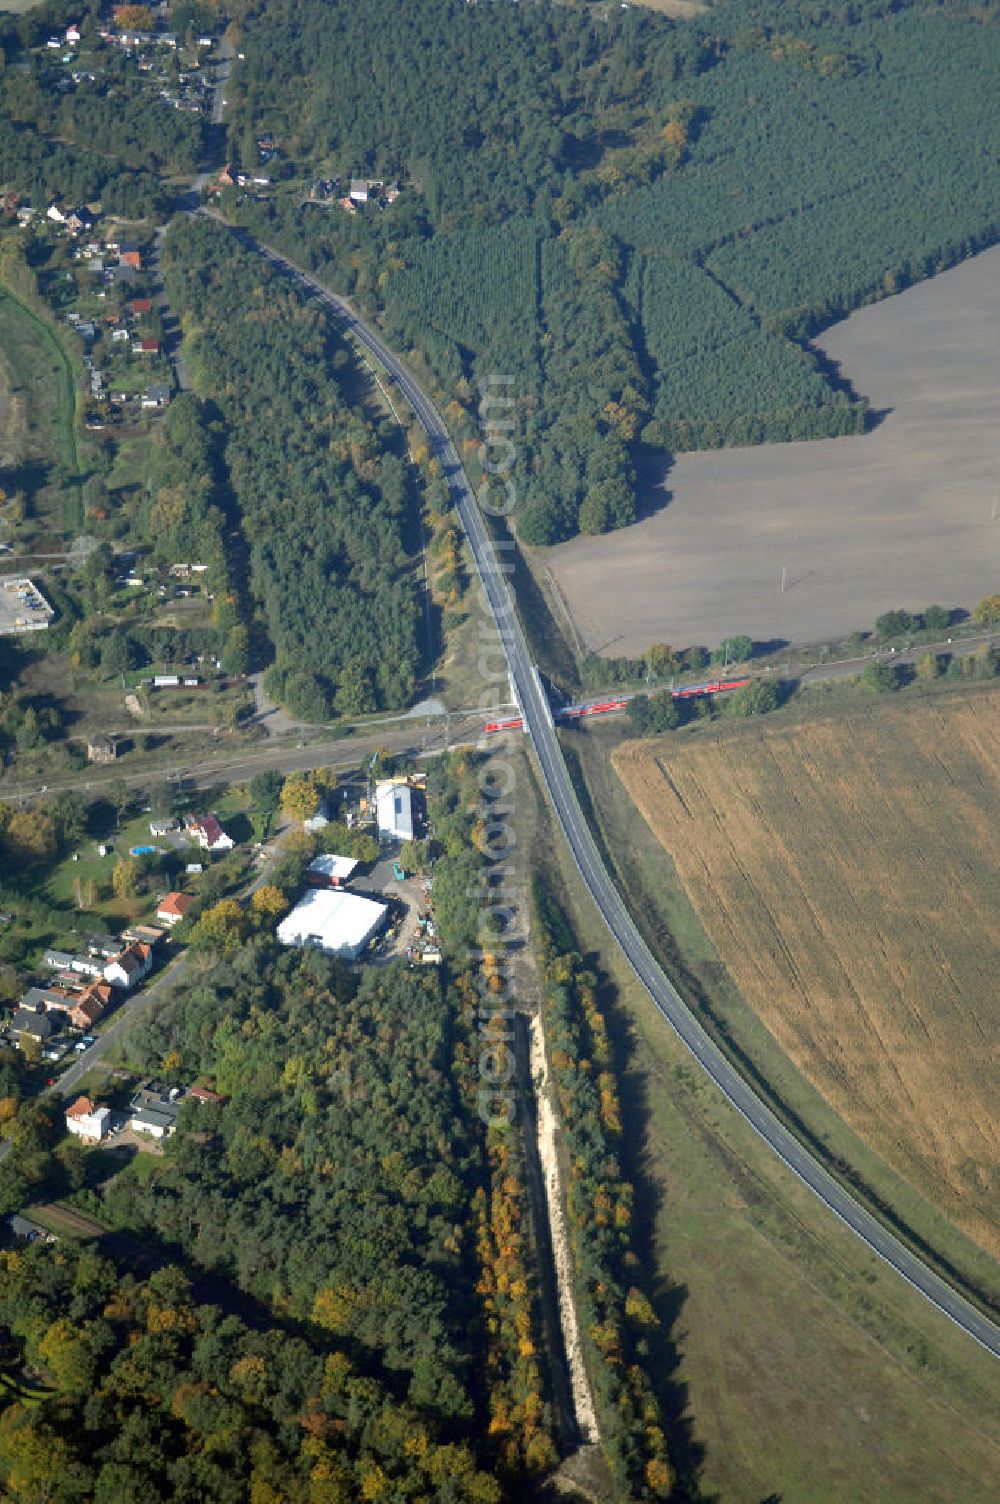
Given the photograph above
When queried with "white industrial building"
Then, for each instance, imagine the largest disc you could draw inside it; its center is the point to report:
(394, 811)
(330, 920)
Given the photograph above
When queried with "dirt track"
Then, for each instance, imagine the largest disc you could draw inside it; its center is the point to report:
(906, 515)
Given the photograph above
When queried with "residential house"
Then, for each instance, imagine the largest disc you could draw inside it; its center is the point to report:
(320, 819)
(162, 827)
(85, 1013)
(102, 945)
(58, 960)
(211, 836)
(204, 1094)
(362, 189)
(145, 934)
(82, 965)
(141, 307)
(41, 999)
(88, 1121)
(154, 1111)
(146, 346)
(56, 214)
(87, 965)
(156, 396)
(130, 256)
(28, 1023)
(72, 34)
(134, 963)
(173, 908)
(70, 983)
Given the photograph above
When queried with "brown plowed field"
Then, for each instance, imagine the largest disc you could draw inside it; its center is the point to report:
(902, 516)
(848, 873)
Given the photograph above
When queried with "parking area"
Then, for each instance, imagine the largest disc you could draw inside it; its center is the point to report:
(23, 607)
(409, 900)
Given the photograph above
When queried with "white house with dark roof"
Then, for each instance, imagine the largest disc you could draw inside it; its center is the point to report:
(134, 963)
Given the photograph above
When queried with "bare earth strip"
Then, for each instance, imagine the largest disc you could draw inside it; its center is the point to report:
(906, 515)
(848, 873)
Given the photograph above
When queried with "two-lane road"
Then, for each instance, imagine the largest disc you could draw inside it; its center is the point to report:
(538, 723)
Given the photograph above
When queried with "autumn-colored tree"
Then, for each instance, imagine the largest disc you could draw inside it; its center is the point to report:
(32, 1454)
(134, 18)
(31, 835)
(222, 927)
(299, 796)
(675, 135)
(659, 1479)
(661, 660)
(268, 904)
(987, 613)
(67, 1358)
(125, 878)
(333, 1309)
(639, 1310)
(84, 892)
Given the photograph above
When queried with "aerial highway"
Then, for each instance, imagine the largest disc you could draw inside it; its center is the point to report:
(538, 723)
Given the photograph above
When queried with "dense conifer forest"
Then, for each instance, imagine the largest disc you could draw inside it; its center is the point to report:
(643, 220)
(326, 512)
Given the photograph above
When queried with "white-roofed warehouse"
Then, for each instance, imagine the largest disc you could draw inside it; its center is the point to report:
(394, 811)
(329, 870)
(330, 920)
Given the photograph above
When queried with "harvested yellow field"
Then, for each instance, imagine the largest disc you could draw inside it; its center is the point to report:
(848, 873)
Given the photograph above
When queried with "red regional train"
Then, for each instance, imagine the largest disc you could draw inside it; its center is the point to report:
(608, 707)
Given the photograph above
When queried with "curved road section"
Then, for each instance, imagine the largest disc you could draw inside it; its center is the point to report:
(538, 722)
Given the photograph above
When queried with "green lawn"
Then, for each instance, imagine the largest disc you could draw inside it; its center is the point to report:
(42, 371)
(793, 1364)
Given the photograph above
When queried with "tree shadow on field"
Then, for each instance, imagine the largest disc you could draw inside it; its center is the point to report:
(685, 1452)
(652, 494)
(832, 372)
(772, 645)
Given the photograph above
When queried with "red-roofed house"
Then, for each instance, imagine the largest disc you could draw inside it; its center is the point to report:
(204, 1094)
(89, 1007)
(128, 256)
(173, 908)
(86, 1120)
(141, 306)
(134, 963)
(149, 346)
(211, 836)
